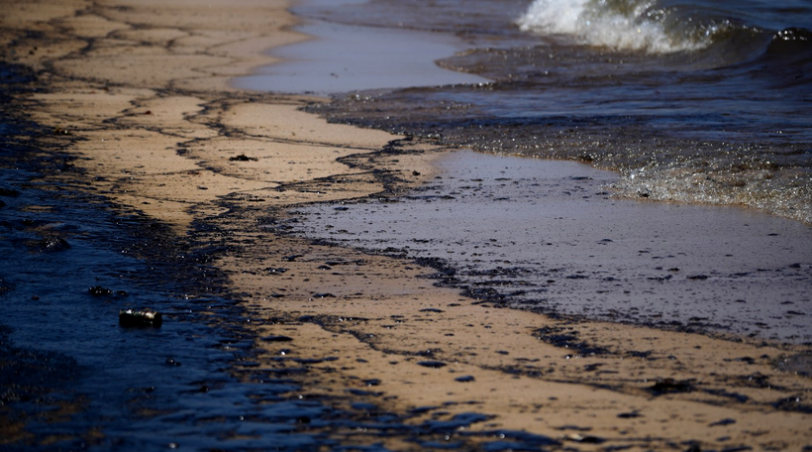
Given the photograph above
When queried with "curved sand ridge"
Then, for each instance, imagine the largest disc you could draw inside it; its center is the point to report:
(141, 87)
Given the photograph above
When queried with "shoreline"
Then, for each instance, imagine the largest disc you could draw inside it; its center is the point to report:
(185, 149)
(571, 248)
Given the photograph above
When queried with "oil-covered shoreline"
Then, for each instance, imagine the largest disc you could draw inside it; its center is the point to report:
(279, 342)
(71, 377)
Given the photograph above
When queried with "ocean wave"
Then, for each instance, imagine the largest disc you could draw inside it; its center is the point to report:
(618, 24)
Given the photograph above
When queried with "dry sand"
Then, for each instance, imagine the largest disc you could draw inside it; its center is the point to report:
(139, 90)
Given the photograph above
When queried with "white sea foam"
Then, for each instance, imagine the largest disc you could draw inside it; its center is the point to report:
(595, 22)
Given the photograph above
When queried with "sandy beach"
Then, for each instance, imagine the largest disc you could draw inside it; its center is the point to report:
(139, 91)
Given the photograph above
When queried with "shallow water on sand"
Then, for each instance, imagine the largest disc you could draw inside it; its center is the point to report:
(703, 101)
(545, 235)
(345, 58)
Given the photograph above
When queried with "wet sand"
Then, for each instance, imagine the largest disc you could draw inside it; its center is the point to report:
(140, 92)
(549, 236)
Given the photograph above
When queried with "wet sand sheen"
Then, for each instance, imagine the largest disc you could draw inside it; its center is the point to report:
(548, 236)
(163, 132)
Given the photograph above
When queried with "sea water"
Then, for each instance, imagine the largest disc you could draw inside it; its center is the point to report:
(702, 101)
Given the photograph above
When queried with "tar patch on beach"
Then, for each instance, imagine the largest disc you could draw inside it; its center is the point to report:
(568, 338)
(800, 364)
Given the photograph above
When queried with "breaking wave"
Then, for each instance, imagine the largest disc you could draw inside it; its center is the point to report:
(623, 24)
